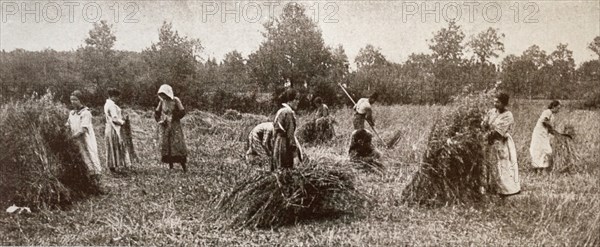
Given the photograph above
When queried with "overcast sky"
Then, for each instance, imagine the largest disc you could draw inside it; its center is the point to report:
(399, 28)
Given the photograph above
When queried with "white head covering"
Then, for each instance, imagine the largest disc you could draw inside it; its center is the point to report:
(167, 90)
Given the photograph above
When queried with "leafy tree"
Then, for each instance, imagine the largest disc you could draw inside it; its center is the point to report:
(419, 77)
(526, 75)
(487, 44)
(447, 43)
(595, 46)
(589, 71)
(515, 72)
(326, 86)
(562, 72)
(589, 83)
(99, 62)
(535, 77)
(369, 57)
(173, 60)
(447, 46)
(293, 52)
(235, 73)
(370, 63)
(339, 65)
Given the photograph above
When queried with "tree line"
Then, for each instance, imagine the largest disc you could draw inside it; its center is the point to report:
(293, 54)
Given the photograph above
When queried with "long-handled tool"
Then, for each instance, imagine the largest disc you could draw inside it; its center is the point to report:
(565, 135)
(354, 102)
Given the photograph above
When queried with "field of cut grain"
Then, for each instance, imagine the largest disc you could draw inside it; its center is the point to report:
(152, 205)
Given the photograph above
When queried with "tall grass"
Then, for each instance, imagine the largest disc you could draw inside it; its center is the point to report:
(158, 206)
(452, 168)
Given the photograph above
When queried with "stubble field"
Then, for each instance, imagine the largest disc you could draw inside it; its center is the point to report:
(152, 205)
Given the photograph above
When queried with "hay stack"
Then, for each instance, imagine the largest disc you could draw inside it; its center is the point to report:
(452, 165)
(306, 132)
(232, 115)
(40, 165)
(269, 200)
(316, 131)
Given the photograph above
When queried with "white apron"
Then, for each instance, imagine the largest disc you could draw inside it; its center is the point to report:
(540, 148)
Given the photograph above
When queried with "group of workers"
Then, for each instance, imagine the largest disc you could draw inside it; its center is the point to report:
(502, 171)
(276, 143)
(277, 140)
(501, 174)
(168, 114)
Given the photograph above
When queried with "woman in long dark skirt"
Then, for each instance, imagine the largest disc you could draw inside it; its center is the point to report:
(168, 114)
(284, 127)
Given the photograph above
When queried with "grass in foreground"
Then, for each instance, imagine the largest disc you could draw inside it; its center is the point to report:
(157, 206)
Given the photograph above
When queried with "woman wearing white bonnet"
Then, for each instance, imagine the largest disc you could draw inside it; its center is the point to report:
(168, 114)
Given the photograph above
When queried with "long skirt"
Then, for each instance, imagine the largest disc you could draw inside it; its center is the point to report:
(172, 143)
(89, 154)
(116, 152)
(540, 149)
(358, 122)
(283, 153)
(504, 155)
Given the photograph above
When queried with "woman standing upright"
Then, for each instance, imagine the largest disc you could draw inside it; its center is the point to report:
(82, 132)
(284, 128)
(168, 114)
(117, 154)
(323, 122)
(502, 153)
(540, 149)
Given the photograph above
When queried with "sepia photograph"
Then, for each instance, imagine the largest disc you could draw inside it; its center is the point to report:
(299, 123)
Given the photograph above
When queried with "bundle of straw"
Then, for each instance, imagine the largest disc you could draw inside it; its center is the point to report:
(232, 115)
(369, 165)
(395, 139)
(40, 164)
(453, 165)
(316, 131)
(126, 132)
(566, 157)
(273, 199)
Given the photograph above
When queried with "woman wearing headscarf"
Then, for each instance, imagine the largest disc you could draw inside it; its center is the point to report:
(82, 133)
(540, 149)
(284, 128)
(502, 151)
(117, 154)
(168, 114)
